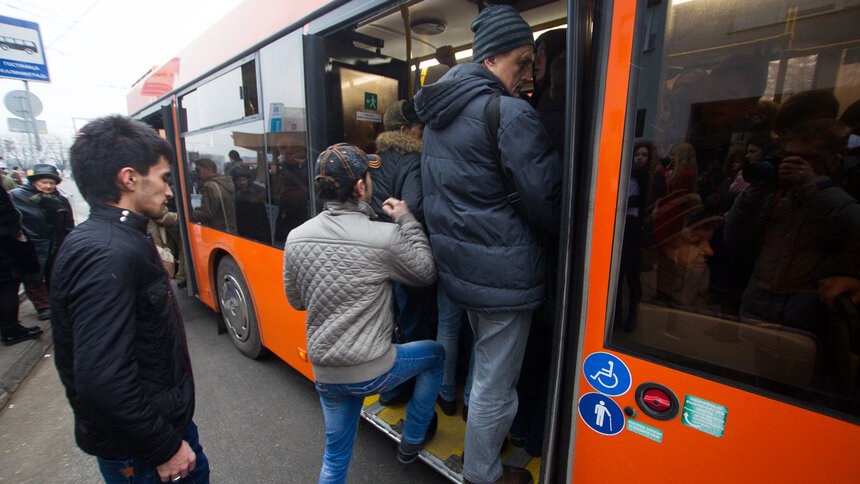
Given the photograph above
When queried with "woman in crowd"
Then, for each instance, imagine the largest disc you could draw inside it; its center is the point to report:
(46, 217)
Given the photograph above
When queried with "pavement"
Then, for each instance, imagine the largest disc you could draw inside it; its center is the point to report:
(18, 360)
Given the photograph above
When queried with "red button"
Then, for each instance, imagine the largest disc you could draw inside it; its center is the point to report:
(657, 400)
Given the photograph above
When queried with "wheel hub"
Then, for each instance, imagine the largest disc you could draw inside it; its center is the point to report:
(234, 307)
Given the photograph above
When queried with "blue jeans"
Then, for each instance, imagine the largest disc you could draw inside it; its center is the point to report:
(499, 349)
(129, 470)
(415, 306)
(341, 404)
(448, 335)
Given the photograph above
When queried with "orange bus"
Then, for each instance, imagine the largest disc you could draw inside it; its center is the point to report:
(703, 326)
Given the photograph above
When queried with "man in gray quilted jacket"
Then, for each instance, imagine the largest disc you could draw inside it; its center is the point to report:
(339, 266)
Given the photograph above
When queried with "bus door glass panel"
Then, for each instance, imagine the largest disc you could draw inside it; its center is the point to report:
(742, 224)
(360, 85)
(230, 97)
(228, 191)
(286, 168)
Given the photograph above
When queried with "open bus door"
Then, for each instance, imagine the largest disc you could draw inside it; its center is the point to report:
(706, 352)
(348, 90)
(163, 121)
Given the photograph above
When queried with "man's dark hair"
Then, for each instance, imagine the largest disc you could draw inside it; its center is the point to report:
(105, 146)
(234, 155)
(327, 191)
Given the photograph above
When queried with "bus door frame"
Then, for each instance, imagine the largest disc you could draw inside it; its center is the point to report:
(169, 120)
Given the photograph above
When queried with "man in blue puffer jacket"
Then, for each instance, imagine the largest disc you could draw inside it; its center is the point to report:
(487, 251)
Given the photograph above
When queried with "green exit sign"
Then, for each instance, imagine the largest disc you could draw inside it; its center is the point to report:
(370, 101)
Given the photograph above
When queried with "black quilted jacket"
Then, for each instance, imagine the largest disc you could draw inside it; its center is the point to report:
(119, 340)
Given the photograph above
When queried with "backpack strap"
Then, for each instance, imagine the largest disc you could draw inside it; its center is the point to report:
(492, 120)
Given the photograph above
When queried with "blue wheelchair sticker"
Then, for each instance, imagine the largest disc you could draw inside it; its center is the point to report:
(607, 374)
(601, 414)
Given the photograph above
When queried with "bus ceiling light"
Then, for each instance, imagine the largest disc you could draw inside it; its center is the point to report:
(428, 26)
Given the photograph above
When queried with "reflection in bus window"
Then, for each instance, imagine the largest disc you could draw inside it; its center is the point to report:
(745, 261)
(230, 97)
(286, 134)
(228, 191)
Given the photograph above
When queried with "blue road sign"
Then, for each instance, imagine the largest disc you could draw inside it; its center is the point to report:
(607, 374)
(21, 53)
(601, 414)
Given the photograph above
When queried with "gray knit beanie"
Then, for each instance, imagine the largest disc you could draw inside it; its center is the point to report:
(499, 29)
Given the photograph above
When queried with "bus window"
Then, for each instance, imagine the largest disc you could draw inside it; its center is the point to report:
(229, 181)
(286, 134)
(742, 222)
(230, 97)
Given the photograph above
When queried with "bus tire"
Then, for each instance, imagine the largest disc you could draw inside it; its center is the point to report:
(237, 309)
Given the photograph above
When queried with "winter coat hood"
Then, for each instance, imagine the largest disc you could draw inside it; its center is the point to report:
(397, 141)
(440, 103)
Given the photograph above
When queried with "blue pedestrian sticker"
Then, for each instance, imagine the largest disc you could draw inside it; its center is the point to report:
(607, 374)
(601, 414)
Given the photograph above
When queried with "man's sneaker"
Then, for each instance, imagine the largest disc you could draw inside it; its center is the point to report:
(448, 408)
(44, 314)
(407, 453)
(511, 475)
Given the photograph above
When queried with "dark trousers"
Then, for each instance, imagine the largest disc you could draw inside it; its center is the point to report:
(8, 304)
(38, 294)
(129, 470)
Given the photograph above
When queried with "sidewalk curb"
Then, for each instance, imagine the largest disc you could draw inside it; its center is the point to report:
(12, 377)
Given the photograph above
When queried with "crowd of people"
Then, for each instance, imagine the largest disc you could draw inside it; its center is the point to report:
(396, 222)
(761, 237)
(36, 220)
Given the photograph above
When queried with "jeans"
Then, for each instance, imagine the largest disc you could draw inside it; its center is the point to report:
(448, 335)
(341, 404)
(415, 308)
(499, 350)
(129, 470)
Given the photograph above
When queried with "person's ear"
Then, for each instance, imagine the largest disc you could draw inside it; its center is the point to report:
(360, 188)
(127, 178)
(404, 129)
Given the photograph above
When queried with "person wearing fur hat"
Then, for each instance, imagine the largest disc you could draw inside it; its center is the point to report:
(488, 199)
(46, 218)
(399, 176)
(399, 148)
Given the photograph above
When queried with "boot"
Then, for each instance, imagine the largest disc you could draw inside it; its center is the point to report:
(511, 475)
(18, 333)
(407, 453)
(44, 314)
(448, 408)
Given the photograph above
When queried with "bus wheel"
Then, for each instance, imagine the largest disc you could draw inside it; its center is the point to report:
(237, 310)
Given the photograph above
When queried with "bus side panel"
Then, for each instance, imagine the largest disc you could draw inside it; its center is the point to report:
(282, 328)
(764, 440)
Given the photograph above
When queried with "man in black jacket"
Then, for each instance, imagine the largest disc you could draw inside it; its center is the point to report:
(119, 338)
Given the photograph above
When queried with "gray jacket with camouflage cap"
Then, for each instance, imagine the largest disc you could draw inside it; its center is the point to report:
(339, 266)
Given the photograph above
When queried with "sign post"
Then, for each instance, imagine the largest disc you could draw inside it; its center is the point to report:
(21, 53)
(22, 56)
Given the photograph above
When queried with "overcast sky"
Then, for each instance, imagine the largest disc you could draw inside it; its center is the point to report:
(96, 49)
